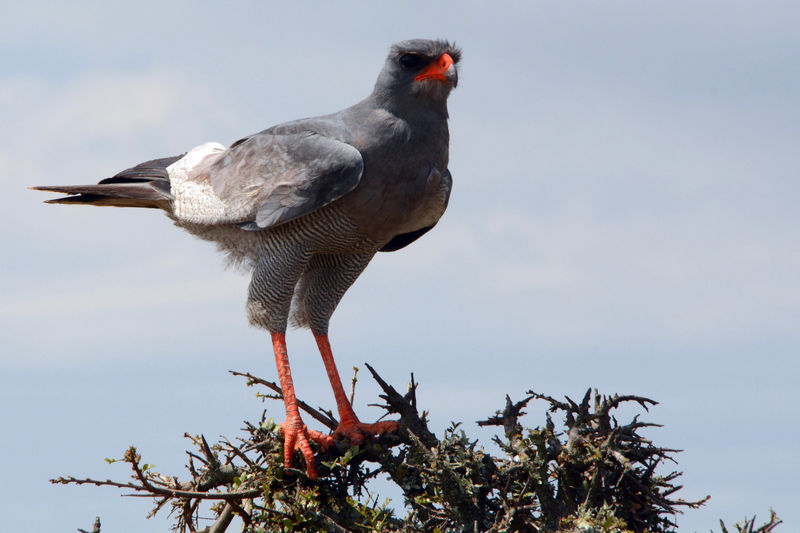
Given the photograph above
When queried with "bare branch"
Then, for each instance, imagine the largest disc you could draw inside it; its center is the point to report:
(223, 521)
(95, 527)
(353, 385)
(152, 489)
(328, 421)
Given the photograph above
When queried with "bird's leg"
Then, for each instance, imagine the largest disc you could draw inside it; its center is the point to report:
(349, 425)
(295, 432)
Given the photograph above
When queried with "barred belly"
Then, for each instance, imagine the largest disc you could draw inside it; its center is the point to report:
(300, 269)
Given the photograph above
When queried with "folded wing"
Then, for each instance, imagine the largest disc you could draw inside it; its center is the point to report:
(263, 180)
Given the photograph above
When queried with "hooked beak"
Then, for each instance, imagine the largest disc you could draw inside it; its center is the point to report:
(441, 70)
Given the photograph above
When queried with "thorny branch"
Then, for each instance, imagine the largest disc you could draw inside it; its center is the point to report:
(588, 470)
(749, 525)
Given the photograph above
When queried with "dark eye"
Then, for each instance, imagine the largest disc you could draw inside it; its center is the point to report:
(412, 60)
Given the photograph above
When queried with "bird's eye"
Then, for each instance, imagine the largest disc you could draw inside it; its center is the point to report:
(412, 60)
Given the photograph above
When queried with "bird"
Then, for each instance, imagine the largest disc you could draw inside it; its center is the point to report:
(306, 204)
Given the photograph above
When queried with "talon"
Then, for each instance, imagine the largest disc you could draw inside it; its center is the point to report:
(356, 431)
(349, 426)
(296, 436)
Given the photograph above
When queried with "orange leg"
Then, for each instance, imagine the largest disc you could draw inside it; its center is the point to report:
(295, 432)
(349, 425)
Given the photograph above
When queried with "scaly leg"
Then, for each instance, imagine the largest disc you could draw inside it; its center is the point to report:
(349, 425)
(295, 432)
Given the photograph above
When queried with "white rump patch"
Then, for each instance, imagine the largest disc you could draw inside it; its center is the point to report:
(195, 200)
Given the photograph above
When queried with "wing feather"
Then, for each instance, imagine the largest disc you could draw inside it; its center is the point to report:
(265, 180)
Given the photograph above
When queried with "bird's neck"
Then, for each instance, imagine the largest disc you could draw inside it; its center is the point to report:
(411, 108)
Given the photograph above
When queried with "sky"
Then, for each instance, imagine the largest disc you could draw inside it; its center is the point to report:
(624, 216)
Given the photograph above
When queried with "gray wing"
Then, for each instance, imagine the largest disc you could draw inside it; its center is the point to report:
(264, 180)
(286, 176)
(402, 240)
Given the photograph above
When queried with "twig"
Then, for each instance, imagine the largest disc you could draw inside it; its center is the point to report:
(161, 491)
(328, 421)
(353, 385)
(95, 527)
(408, 413)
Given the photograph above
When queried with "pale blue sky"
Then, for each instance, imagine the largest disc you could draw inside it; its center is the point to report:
(624, 216)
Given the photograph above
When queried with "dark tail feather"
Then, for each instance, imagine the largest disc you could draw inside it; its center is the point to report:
(120, 195)
(145, 185)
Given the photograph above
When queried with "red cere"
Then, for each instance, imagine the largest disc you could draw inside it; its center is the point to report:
(436, 69)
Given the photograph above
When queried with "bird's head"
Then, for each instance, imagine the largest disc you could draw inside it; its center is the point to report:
(420, 68)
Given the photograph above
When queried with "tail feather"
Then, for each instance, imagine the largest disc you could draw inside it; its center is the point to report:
(145, 185)
(140, 194)
(154, 170)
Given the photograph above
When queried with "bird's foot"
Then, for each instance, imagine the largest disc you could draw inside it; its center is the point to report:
(296, 436)
(356, 432)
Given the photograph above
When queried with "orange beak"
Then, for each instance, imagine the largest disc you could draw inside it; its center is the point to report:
(436, 69)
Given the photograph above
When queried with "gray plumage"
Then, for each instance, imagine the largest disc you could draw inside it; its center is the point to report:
(307, 204)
